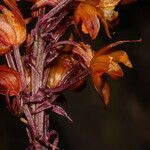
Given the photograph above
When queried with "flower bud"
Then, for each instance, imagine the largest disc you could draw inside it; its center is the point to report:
(59, 70)
(12, 27)
(10, 81)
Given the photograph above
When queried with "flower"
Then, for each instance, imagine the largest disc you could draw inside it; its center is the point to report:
(10, 82)
(104, 61)
(92, 12)
(12, 27)
(107, 61)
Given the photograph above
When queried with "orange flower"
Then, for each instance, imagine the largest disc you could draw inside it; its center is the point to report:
(106, 61)
(10, 81)
(12, 27)
(92, 12)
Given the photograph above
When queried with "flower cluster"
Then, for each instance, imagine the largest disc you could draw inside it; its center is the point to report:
(41, 63)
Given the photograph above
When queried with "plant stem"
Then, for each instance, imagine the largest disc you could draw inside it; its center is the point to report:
(20, 67)
(10, 61)
(39, 119)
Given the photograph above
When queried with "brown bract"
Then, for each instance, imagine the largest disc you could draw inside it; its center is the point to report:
(93, 12)
(10, 82)
(12, 27)
(85, 54)
(106, 61)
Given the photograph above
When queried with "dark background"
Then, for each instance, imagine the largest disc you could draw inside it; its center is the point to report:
(126, 125)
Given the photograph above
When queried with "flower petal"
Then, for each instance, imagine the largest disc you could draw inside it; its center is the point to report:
(109, 47)
(121, 57)
(101, 64)
(106, 94)
(98, 82)
(15, 20)
(7, 36)
(59, 70)
(105, 64)
(90, 22)
(108, 3)
(102, 87)
(9, 81)
(103, 20)
(115, 70)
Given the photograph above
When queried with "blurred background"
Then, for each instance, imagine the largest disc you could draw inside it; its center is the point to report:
(126, 124)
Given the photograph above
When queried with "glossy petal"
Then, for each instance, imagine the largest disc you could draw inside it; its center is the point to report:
(109, 47)
(59, 70)
(101, 64)
(102, 87)
(103, 20)
(98, 82)
(12, 27)
(105, 64)
(9, 81)
(121, 57)
(7, 36)
(106, 93)
(114, 70)
(108, 3)
(14, 19)
(108, 6)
